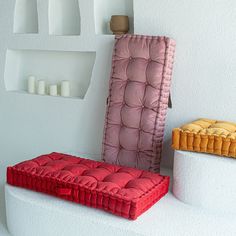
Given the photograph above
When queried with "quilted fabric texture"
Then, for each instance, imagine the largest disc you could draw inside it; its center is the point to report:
(204, 135)
(138, 101)
(123, 191)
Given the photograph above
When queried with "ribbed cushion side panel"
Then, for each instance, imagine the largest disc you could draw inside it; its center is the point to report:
(122, 191)
(203, 143)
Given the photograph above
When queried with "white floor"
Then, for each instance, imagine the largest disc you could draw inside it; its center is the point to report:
(167, 217)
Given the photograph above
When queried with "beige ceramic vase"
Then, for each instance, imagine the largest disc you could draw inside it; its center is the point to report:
(119, 24)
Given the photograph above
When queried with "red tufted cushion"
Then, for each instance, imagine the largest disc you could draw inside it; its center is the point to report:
(123, 191)
(138, 101)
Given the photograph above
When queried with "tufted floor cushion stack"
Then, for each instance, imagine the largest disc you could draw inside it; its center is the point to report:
(123, 191)
(205, 135)
(138, 100)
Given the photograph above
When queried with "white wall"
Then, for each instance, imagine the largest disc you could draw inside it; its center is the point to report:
(204, 79)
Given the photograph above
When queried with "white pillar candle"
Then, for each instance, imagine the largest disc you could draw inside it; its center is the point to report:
(41, 87)
(53, 90)
(31, 84)
(65, 88)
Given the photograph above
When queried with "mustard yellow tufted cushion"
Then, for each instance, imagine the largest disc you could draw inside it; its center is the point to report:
(204, 135)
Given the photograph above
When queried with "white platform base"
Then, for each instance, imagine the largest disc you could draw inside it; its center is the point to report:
(35, 214)
(205, 181)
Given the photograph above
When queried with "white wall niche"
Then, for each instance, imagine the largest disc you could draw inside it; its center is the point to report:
(104, 9)
(51, 66)
(25, 17)
(64, 17)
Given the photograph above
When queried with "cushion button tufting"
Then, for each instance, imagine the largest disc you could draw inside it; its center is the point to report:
(78, 180)
(130, 58)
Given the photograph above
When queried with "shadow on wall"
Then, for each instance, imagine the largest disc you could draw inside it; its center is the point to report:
(2, 204)
(167, 154)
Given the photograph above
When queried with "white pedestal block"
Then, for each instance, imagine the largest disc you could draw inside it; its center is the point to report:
(206, 181)
(34, 214)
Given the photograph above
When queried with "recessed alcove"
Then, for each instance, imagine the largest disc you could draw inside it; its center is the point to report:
(64, 17)
(104, 9)
(51, 66)
(25, 17)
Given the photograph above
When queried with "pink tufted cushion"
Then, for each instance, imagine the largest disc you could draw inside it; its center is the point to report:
(138, 101)
(123, 191)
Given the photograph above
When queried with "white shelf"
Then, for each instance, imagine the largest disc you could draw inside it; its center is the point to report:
(52, 66)
(104, 9)
(46, 95)
(64, 17)
(26, 17)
